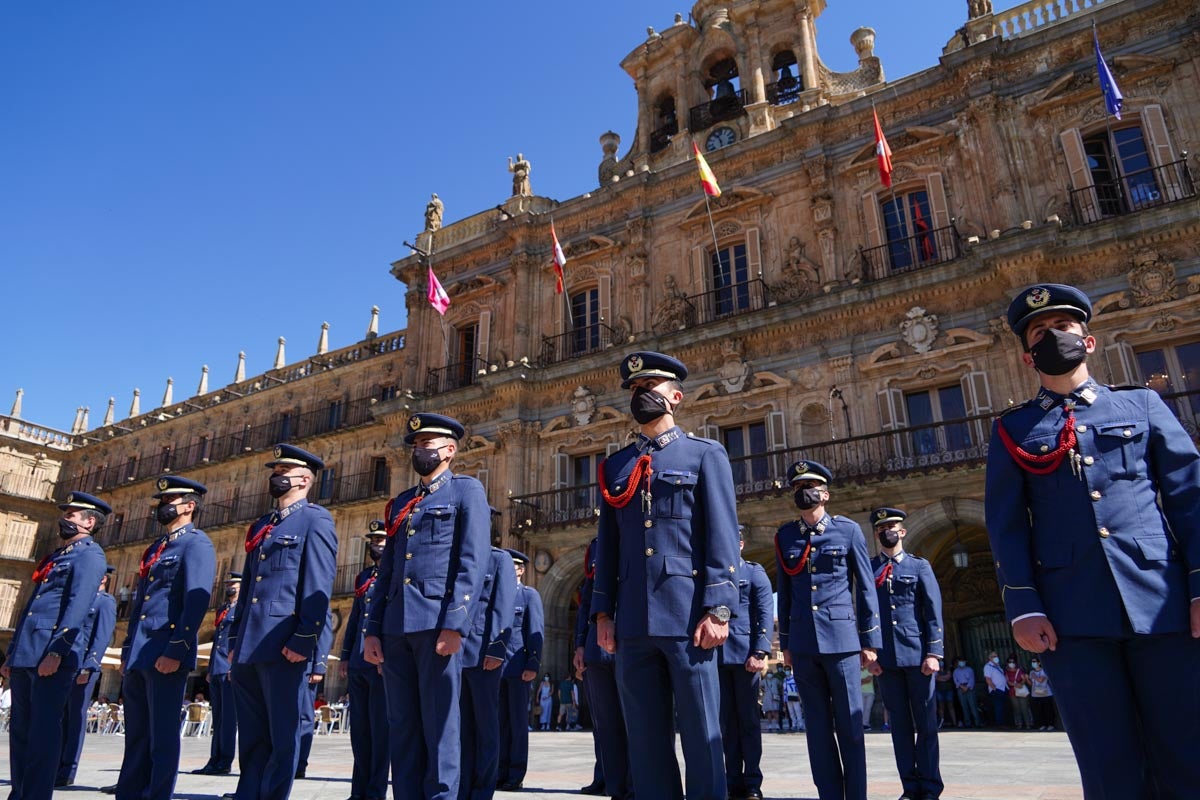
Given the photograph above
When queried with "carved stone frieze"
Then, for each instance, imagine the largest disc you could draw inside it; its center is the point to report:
(919, 329)
(583, 405)
(734, 369)
(1152, 278)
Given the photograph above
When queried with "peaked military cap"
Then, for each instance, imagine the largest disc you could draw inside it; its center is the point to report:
(433, 423)
(177, 484)
(886, 516)
(518, 557)
(87, 501)
(646, 364)
(376, 527)
(290, 454)
(809, 471)
(1045, 297)
(233, 577)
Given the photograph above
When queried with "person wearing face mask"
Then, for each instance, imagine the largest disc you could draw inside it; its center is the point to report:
(997, 689)
(1041, 697)
(828, 629)
(910, 603)
(369, 733)
(175, 579)
(1093, 512)
(224, 710)
(668, 528)
(282, 612)
(47, 648)
(430, 577)
(964, 687)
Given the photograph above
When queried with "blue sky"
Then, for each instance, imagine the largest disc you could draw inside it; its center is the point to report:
(181, 181)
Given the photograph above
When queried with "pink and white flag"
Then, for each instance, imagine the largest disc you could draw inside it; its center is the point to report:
(437, 295)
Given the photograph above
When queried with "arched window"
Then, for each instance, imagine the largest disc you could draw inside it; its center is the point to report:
(788, 82)
(666, 124)
(726, 96)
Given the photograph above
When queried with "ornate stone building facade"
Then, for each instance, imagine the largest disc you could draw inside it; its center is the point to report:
(822, 316)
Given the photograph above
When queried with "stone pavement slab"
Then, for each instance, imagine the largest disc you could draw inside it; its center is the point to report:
(976, 765)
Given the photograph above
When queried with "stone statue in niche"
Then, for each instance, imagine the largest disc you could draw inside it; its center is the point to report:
(799, 274)
(919, 329)
(735, 370)
(675, 312)
(1152, 279)
(583, 405)
(433, 213)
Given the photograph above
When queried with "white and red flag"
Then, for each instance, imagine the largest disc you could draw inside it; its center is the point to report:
(883, 153)
(560, 260)
(437, 295)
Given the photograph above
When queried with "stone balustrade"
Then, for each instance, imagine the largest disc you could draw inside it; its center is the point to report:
(1030, 16)
(35, 434)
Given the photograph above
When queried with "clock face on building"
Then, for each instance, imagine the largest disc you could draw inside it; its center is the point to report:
(721, 137)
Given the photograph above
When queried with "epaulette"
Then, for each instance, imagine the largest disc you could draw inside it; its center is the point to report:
(1018, 406)
(696, 438)
(1124, 387)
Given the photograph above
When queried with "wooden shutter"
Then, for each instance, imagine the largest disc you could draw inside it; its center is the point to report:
(893, 415)
(754, 253)
(874, 231)
(1084, 197)
(937, 200)
(711, 432)
(1162, 154)
(482, 477)
(562, 479)
(979, 401)
(604, 290)
(611, 448)
(483, 345)
(777, 443)
(1122, 365)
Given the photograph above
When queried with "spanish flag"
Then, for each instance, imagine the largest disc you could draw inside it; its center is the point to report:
(707, 179)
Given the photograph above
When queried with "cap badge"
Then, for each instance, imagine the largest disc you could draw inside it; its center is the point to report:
(635, 363)
(278, 451)
(414, 423)
(1037, 297)
(163, 484)
(801, 468)
(880, 514)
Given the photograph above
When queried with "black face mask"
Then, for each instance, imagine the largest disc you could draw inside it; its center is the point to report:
(808, 498)
(647, 405)
(1058, 352)
(425, 460)
(888, 538)
(279, 485)
(230, 594)
(68, 529)
(166, 513)
(375, 551)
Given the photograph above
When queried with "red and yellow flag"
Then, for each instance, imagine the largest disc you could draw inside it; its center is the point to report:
(707, 179)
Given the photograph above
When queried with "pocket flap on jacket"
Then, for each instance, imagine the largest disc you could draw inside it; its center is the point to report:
(677, 565)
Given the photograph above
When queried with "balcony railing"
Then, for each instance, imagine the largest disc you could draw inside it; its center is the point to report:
(661, 137)
(27, 486)
(455, 376)
(908, 254)
(575, 343)
(726, 301)
(784, 92)
(343, 579)
(1134, 192)
(719, 109)
(571, 505)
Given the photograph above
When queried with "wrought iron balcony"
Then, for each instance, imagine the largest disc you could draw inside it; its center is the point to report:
(455, 376)
(571, 505)
(1134, 192)
(922, 249)
(575, 343)
(343, 579)
(719, 109)
(784, 92)
(661, 137)
(719, 303)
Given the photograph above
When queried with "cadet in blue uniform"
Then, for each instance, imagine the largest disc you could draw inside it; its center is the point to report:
(291, 557)
(317, 665)
(910, 605)
(97, 631)
(220, 689)
(175, 579)
(47, 649)
(429, 580)
(369, 733)
(521, 665)
(1093, 512)
(741, 661)
(828, 630)
(599, 669)
(483, 656)
(668, 528)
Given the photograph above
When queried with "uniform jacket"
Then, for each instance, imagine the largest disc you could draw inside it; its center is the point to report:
(318, 662)
(528, 631)
(170, 602)
(356, 623)
(218, 663)
(830, 606)
(98, 630)
(286, 584)
(585, 628)
(659, 569)
(910, 611)
(1120, 538)
(56, 611)
(432, 570)
(750, 627)
(492, 627)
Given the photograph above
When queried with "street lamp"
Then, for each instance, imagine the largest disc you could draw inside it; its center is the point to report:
(962, 559)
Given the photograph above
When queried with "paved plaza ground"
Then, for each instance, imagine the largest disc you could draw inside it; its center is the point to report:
(975, 764)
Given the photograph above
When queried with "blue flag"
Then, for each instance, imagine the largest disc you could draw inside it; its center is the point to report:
(1113, 100)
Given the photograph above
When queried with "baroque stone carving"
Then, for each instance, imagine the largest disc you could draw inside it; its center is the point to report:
(735, 370)
(674, 313)
(583, 405)
(800, 275)
(433, 213)
(1152, 278)
(727, 228)
(520, 170)
(919, 329)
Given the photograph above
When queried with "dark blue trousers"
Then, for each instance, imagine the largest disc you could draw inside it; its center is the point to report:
(909, 698)
(224, 722)
(741, 728)
(1131, 707)
(480, 733)
(308, 724)
(423, 716)
(75, 726)
(514, 729)
(151, 763)
(660, 677)
(35, 730)
(368, 735)
(829, 687)
(608, 722)
(269, 697)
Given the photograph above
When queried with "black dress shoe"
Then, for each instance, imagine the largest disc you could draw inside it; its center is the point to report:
(229, 796)
(511, 786)
(61, 782)
(593, 788)
(300, 774)
(753, 794)
(109, 789)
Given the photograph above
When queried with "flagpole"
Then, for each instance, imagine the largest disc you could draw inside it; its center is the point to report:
(1113, 166)
(711, 225)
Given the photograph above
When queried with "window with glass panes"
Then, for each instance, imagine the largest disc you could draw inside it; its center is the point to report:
(583, 479)
(909, 227)
(1121, 170)
(1174, 372)
(747, 447)
(466, 341)
(730, 273)
(325, 483)
(585, 321)
(933, 406)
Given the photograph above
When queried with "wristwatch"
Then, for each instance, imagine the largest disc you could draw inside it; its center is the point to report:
(720, 613)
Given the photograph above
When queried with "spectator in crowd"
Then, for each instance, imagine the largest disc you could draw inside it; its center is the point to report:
(567, 699)
(868, 696)
(772, 685)
(1042, 697)
(944, 689)
(964, 685)
(997, 687)
(545, 701)
(1018, 694)
(792, 694)
(123, 601)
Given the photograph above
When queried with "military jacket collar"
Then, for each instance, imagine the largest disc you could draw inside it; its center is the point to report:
(284, 513)
(1084, 394)
(646, 443)
(814, 530)
(435, 484)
